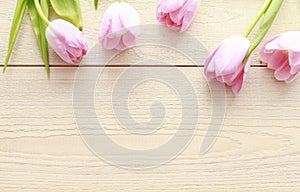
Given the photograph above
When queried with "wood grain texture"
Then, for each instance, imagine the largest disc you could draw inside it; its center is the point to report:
(41, 148)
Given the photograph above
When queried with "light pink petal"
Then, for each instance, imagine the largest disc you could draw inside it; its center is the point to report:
(110, 13)
(121, 46)
(209, 65)
(238, 84)
(176, 16)
(74, 53)
(283, 73)
(59, 49)
(276, 59)
(231, 54)
(129, 39)
(190, 13)
(167, 6)
(130, 18)
(110, 43)
(290, 41)
(171, 24)
(264, 53)
(292, 78)
(116, 28)
(229, 79)
(294, 61)
(187, 21)
(241, 79)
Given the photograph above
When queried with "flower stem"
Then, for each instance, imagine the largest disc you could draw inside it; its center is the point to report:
(40, 12)
(121, 1)
(257, 18)
(265, 25)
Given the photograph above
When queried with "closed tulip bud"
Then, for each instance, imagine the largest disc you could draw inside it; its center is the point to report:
(120, 26)
(282, 54)
(177, 14)
(225, 64)
(66, 40)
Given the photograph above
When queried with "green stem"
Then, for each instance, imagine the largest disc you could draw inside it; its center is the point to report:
(265, 25)
(257, 18)
(40, 12)
(121, 1)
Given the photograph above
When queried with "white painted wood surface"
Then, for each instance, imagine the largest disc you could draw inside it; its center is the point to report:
(41, 149)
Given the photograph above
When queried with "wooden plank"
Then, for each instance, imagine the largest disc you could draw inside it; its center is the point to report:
(41, 148)
(215, 20)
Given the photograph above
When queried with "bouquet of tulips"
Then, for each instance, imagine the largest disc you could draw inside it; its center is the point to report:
(229, 63)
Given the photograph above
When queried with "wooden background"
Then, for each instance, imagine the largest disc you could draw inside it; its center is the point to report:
(41, 148)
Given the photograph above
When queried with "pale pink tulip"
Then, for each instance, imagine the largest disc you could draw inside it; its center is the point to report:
(282, 54)
(226, 63)
(66, 40)
(177, 14)
(120, 26)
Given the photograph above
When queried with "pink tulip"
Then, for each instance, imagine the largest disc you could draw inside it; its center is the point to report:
(225, 63)
(66, 40)
(282, 54)
(120, 26)
(177, 14)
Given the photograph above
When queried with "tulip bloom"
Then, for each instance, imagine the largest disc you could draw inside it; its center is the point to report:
(226, 63)
(66, 40)
(282, 54)
(177, 14)
(120, 26)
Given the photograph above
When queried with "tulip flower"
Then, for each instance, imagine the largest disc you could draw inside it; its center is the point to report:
(66, 40)
(282, 54)
(177, 14)
(39, 14)
(225, 64)
(120, 26)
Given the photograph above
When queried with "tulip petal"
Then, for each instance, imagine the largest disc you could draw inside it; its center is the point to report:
(167, 6)
(292, 78)
(276, 59)
(176, 16)
(190, 12)
(266, 53)
(111, 43)
(161, 17)
(290, 41)
(128, 39)
(130, 18)
(121, 46)
(283, 73)
(106, 23)
(294, 60)
(116, 27)
(209, 65)
(187, 21)
(240, 80)
(171, 24)
(120, 26)
(231, 54)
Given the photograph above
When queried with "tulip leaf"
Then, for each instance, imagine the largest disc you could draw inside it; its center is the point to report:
(96, 4)
(15, 28)
(266, 24)
(40, 29)
(68, 10)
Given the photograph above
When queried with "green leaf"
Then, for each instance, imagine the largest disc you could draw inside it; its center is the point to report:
(266, 24)
(40, 29)
(68, 10)
(15, 28)
(96, 4)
